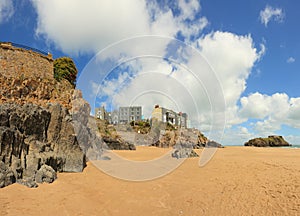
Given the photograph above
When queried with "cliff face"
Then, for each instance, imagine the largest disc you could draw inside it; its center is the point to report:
(32, 136)
(28, 77)
(271, 141)
(40, 91)
(43, 123)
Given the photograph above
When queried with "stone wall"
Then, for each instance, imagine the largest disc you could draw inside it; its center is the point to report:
(18, 62)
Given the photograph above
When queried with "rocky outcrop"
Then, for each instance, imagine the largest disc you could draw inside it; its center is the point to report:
(213, 144)
(36, 142)
(41, 91)
(190, 136)
(271, 141)
(7, 176)
(118, 144)
(45, 174)
(43, 122)
(184, 150)
(114, 137)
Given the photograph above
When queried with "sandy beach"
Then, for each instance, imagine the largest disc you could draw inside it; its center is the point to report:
(237, 181)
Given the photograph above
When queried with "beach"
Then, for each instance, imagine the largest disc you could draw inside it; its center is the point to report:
(236, 181)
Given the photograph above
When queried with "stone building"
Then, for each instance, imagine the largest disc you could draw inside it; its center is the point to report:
(122, 116)
(128, 114)
(169, 116)
(113, 117)
(101, 113)
(182, 120)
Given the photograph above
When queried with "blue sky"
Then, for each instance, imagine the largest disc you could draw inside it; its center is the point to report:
(251, 46)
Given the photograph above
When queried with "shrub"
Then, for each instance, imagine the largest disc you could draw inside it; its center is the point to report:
(64, 68)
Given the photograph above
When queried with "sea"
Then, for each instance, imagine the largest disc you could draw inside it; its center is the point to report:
(293, 146)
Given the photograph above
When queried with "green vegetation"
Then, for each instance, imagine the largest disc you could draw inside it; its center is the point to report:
(142, 127)
(64, 68)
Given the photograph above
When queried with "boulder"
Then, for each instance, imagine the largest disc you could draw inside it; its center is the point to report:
(184, 150)
(271, 141)
(28, 182)
(213, 144)
(45, 174)
(118, 144)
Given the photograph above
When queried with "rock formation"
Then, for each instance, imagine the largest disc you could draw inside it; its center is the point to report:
(43, 122)
(118, 144)
(213, 144)
(192, 136)
(32, 136)
(271, 141)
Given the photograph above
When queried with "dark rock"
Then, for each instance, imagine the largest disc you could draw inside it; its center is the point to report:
(29, 182)
(213, 144)
(4, 119)
(118, 144)
(16, 167)
(31, 136)
(193, 154)
(271, 141)
(29, 119)
(45, 174)
(6, 175)
(184, 150)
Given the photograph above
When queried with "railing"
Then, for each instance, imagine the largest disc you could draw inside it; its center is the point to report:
(29, 48)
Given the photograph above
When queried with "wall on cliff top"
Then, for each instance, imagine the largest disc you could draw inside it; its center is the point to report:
(18, 62)
(28, 77)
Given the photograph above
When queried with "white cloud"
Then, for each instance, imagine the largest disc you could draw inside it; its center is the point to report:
(290, 60)
(293, 139)
(6, 10)
(76, 26)
(80, 26)
(237, 136)
(260, 106)
(188, 9)
(270, 13)
(271, 111)
(232, 58)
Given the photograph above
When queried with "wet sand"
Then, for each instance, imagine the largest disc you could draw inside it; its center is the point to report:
(237, 181)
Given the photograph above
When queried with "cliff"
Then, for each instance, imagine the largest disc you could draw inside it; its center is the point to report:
(36, 140)
(271, 141)
(43, 122)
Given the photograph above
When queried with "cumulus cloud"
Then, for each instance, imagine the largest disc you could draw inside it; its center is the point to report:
(80, 26)
(232, 58)
(6, 10)
(75, 26)
(237, 135)
(290, 60)
(293, 139)
(270, 13)
(271, 112)
(188, 8)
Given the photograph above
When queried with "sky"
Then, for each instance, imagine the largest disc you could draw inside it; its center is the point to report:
(232, 66)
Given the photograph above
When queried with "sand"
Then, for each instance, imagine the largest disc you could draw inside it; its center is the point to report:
(237, 181)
